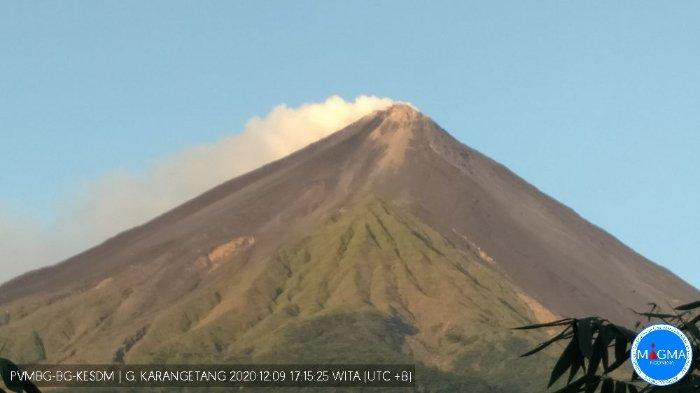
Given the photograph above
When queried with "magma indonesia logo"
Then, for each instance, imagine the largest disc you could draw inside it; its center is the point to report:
(661, 355)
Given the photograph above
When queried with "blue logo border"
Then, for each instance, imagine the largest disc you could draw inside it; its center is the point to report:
(688, 349)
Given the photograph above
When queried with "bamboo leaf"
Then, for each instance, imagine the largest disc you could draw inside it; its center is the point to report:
(585, 336)
(655, 315)
(627, 333)
(564, 362)
(695, 320)
(31, 388)
(620, 387)
(560, 336)
(592, 383)
(607, 337)
(621, 349)
(576, 365)
(608, 386)
(689, 306)
(576, 385)
(560, 322)
(6, 367)
(598, 348)
(691, 327)
(616, 364)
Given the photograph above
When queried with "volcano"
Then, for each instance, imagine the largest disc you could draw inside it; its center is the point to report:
(388, 241)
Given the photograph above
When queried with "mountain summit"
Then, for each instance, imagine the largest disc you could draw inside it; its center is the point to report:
(386, 241)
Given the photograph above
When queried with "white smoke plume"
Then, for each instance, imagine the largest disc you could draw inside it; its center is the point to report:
(121, 200)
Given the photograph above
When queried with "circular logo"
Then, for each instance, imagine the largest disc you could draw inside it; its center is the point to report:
(661, 355)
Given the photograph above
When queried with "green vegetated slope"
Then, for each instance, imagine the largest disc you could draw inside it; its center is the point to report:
(388, 241)
(369, 284)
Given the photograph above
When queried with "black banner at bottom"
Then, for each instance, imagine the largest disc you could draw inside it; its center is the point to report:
(163, 376)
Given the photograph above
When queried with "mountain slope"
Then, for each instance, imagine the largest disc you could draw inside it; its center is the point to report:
(387, 241)
(370, 283)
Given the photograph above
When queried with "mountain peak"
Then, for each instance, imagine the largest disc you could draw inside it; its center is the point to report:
(387, 228)
(402, 112)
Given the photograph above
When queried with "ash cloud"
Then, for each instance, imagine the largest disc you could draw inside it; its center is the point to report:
(121, 199)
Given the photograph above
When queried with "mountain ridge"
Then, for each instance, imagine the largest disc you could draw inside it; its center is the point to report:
(389, 240)
(399, 114)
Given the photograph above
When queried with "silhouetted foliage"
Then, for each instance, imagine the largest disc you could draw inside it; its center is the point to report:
(6, 367)
(596, 348)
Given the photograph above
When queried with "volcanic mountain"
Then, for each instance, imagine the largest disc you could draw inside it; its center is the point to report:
(388, 241)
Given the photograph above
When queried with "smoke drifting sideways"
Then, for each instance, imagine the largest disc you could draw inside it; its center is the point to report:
(121, 200)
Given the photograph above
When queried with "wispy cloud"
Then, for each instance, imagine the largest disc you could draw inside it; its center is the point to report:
(121, 200)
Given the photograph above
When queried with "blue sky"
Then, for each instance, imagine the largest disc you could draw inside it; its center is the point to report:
(596, 104)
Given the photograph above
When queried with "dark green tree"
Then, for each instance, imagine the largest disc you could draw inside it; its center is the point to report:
(596, 349)
(6, 367)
